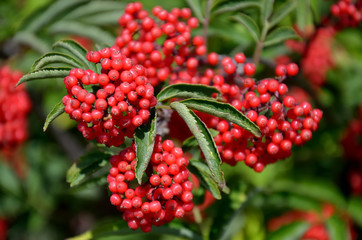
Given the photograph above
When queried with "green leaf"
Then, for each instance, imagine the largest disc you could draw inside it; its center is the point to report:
(280, 35)
(87, 165)
(102, 19)
(224, 111)
(202, 172)
(77, 28)
(337, 228)
(33, 41)
(95, 7)
(205, 140)
(192, 142)
(145, 140)
(282, 12)
(56, 58)
(76, 50)
(293, 231)
(57, 110)
(196, 8)
(355, 209)
(266, 10)
(303, 15)
(51, 13)
(9, 182)
(316, 189)
(45, 73)
(184, 90)
(249, 24)
(235, 6)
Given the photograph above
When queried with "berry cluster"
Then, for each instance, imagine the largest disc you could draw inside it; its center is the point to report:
(281, 119)
(318, 230)
(317, 59)
(119, 99)
(348, 13)
(166, 194)
(14, 107)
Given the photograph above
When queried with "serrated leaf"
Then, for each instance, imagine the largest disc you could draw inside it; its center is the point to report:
(249, 24)
(56, 58)
(224, 111)
(52, 12)
(283, 11)
(205, 140)
(145, 140)
(266, 10)
(337, 228)
(87, 165)
(76, 50)
(192, 142)
(95, 7)
(279, 35)
(315, 189)
(57, 110)
(355, 209)
(184, 90)
(45, 73)
(33, 41)
(235, 6)
(293, 231)
(77, 28)
(202, 172)
(196, 8)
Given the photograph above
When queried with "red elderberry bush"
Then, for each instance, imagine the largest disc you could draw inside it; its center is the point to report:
(165, 195)
(119, 99)
(14, 107)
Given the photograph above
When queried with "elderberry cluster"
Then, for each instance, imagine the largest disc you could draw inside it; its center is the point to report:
(166, 194)
(14, 108)
(348, 13)
(118, 102)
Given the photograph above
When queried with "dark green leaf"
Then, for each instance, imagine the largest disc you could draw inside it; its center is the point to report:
(76, 50)
(355, 209)
(56, 58)
(45, 73)
(192, 142)
(203, 173)
(196, 8)
(279, 35)
(337, 228)
(205, 140)
(9, 182)
(224, 111)
(184, 90)
(145, 140)
(320, 190)
(87, 165)
(77, 28)
(95, 7)
(51, 13)
(235, 6)
(293, 231)
(249, 24)
(266, 10)
(54, 113)
(282, 12)
(33, 41)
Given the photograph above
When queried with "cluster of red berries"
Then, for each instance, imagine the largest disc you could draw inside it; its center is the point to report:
(160, 42)
(166, 194)
(318, 230)
(348, 13)
(15, 105)
(118, 102)
(283, 122)
(317, 59)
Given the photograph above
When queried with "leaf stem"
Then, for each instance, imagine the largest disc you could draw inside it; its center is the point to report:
(260, 43)
(206, 20)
